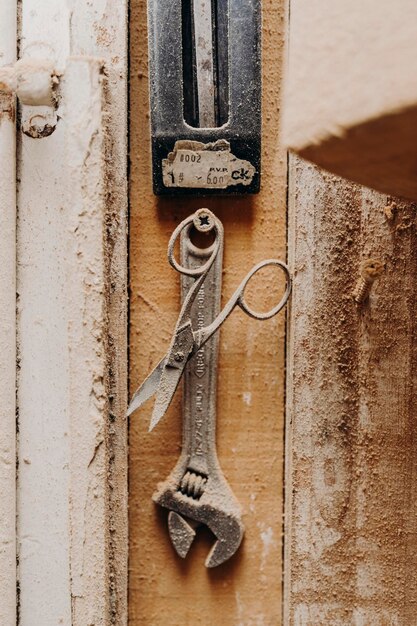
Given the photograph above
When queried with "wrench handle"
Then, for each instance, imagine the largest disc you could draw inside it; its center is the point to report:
(200, 376)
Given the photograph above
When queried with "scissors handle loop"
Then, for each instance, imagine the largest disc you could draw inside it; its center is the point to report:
(202, 269)
(238, 299)
(242, 287)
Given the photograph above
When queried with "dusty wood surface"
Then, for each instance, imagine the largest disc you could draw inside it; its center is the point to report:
(351, 94)
(351, 446)
(163, 588)
(87, 359)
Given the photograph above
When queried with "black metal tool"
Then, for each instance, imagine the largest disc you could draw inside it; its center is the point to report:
(205, 88)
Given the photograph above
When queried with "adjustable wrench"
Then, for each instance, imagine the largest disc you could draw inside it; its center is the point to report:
(196, 492)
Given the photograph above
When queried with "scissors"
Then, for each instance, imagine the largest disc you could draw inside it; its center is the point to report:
(187, 340)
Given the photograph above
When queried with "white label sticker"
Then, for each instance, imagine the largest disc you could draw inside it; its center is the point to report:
(193, 164)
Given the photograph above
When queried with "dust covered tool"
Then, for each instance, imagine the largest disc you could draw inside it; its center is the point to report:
(205, 91)
(196, 492)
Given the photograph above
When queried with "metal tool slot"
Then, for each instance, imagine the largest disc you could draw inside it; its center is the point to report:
(205, 34)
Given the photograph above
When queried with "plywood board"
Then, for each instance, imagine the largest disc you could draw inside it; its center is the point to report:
(163, 588)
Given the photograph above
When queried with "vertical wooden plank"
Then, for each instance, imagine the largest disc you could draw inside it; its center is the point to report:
(163, 588)
(351, 448)
(100, 29)
(87, 339)
(8, 45)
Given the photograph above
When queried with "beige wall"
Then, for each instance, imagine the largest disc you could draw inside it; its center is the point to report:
(350, 95)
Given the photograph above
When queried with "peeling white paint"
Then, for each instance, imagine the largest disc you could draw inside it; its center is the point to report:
(7, 325)
(86, 337)
(268, 543)
(247, 398)
(71, 248)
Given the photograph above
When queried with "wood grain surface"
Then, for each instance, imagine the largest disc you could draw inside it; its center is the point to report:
(351, 445)
(163, 588)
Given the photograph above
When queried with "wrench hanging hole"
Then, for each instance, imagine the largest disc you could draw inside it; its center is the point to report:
(202, 232)
(200, 240)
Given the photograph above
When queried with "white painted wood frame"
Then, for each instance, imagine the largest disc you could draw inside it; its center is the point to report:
(8, 46)
(71, 326)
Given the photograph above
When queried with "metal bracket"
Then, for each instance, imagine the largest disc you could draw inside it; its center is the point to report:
(34, 81)
(39, 87)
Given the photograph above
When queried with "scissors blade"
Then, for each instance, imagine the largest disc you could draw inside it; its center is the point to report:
(170, 379)
(147, 388)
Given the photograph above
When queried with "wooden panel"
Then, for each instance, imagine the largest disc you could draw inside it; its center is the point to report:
(351, 446)
(163, 588)
(86, 336)
(100, 29)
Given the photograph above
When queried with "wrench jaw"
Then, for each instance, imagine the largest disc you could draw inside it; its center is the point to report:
(225, 547)
(182, 535)
(181, 532)
(216, 508)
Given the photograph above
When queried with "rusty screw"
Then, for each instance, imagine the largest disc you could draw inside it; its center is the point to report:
(371, 269)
